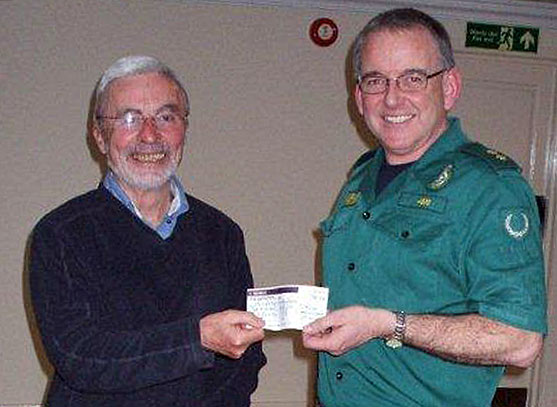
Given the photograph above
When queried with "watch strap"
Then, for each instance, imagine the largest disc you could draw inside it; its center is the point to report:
(397, 338)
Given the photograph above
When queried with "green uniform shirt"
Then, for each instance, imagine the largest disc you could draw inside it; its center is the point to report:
(455, 233)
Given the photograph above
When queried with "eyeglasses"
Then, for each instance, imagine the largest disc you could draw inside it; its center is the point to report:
(132, 121)
(414, 81)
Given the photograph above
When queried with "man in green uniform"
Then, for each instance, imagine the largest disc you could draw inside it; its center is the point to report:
(433, 251)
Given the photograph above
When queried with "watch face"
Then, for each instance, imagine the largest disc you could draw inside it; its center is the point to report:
(323, 32)
(393, 343)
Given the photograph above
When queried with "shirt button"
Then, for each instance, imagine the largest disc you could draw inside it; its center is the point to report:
(339, 375)
(168, 221)
(366, 215)
(351, 266)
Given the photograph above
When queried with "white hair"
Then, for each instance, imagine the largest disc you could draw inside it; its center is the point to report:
(130, 66)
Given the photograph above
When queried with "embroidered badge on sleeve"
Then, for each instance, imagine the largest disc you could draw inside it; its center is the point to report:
(517, 223)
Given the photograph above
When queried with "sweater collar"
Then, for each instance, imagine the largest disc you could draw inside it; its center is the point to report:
(178, 205)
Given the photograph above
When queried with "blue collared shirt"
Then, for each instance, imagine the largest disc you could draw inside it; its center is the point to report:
(178, 206)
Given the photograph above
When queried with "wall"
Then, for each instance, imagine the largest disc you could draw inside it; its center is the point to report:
(271, 139)
(270, 142)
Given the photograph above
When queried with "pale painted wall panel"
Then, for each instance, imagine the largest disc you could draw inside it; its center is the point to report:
(270, 142)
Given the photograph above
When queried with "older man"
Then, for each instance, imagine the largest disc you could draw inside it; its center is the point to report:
(433, 252)
(138, 288)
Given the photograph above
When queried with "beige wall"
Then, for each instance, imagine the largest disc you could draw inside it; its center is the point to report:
(270, 142)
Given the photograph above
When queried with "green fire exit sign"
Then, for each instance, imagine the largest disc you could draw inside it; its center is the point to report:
(502, 37)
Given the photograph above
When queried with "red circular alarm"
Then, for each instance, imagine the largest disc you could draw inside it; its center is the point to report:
(323, 32)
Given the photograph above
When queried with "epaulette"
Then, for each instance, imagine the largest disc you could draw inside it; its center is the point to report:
(496, 160)
(368, 155)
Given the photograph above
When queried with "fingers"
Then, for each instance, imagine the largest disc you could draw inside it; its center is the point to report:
(341, 330)
(249, 334)
(234, 317)
(250, 327)
(230, 332)
(317, 335)
(314, 342)
(322, 325)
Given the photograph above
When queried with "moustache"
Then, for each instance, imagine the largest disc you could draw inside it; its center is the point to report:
(151, 148)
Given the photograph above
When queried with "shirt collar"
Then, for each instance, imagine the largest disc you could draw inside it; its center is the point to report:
(451, 139)
(178, 205)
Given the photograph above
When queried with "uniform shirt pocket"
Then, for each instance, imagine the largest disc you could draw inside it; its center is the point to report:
(412, 254)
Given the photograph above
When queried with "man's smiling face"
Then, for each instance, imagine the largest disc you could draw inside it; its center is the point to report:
(406, 124)
(146, 157)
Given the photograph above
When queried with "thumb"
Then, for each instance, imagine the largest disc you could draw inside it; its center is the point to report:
(319, 325)
(247, 319)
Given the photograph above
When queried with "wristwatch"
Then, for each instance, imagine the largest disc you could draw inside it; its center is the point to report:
(396, 339)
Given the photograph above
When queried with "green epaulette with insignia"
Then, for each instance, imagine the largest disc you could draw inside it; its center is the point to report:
(496, 160)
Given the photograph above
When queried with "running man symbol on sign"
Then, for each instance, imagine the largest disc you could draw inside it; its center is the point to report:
(506, 38)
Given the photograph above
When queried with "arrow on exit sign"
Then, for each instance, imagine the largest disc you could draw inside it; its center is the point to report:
(502, 37)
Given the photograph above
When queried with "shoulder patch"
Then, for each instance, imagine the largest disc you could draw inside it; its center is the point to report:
(368, 155)
(496, 160)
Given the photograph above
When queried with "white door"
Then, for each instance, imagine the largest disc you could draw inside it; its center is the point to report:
(508, 102)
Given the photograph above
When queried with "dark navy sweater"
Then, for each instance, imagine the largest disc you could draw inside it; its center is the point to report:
(118, 307)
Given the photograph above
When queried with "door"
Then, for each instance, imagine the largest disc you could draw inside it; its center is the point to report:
(508, 103)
